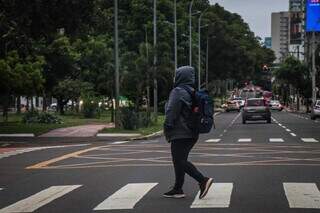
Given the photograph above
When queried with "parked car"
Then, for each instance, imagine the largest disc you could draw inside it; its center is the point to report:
(240, 101)
(256, 109)
(232, 106)
(315, 111)
(276, 105)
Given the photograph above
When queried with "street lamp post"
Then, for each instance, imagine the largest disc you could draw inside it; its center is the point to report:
(314, 69)
(199, 48)
(117, 90)
(175, 38)
(190, 33)
(155, 82)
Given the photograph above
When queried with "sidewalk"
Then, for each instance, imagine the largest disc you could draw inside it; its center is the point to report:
(89, 130)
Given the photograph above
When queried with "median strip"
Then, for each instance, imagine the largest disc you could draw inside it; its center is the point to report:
(64, 157)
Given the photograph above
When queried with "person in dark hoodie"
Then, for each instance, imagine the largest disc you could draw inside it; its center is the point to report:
(182, 138)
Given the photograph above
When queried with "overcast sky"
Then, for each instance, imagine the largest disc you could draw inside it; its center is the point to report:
(257, 13)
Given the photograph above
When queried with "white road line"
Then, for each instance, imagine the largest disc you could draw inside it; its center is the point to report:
(284, 127)
(120, 142)
(1, 189)
(294, 135)
(288, 130)
(23, 135)
(218, 196)
(302, 195)
(280, 124)
(213, 140)
(40, 199)
(309, 140)
(276, 140)
(127, 197)
(244, 140)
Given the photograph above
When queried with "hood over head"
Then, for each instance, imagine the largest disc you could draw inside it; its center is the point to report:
(184, 76)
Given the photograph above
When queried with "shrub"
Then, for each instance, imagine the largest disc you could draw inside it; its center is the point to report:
(91, 107)
(43, 117)
(130, 119)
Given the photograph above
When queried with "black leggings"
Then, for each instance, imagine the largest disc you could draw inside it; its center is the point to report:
(180, 150)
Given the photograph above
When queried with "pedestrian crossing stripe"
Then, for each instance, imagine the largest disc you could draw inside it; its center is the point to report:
(40, 199)
(1, 189)
(302, 195)
(218, 196)
(127, 197)
(298, 195)
(309, 140)
(276, 140)
(213, 140)
(245, 140)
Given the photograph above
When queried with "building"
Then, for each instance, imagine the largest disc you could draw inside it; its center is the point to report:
(268, 42)
(296, 28)
(280, 35)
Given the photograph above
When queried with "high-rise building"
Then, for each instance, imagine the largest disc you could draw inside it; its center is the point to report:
(296, 29)
(280, 35)
(267, 42)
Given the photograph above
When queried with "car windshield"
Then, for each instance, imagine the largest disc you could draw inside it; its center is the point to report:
(255, 103)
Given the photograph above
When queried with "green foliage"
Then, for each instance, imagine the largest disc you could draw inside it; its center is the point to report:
(91, 107)
(131, 119)
(43, 118)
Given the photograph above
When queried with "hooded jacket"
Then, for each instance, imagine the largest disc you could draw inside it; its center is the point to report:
(178, 107)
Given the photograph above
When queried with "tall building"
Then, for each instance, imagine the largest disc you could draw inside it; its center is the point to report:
(280, 29)
(296, 29)
(267, 42)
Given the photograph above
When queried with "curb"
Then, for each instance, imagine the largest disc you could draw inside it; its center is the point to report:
(21, 135)
(145, 137)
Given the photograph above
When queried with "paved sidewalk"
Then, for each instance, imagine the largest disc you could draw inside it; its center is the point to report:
(78, 131)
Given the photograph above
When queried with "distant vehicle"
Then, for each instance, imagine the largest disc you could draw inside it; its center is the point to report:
(276, 105)
(315, 112)
(240, 101)
(256, 109)
(232, 106)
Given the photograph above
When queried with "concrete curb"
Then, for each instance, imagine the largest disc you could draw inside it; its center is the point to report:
(117, 135)
(20, 135)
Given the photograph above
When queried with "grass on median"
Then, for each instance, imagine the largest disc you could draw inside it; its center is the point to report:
(143, 131)
(14, 124)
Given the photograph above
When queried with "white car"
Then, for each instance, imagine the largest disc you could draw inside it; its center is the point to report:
(276, 105)
(315, 112)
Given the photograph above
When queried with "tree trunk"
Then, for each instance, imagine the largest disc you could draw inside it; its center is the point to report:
(5, 107)
(44, 102)
(27, 105)
(18, 104)
(60, 106)
(32, 104)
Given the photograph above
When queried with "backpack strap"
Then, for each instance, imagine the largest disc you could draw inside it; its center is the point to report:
(193, 96)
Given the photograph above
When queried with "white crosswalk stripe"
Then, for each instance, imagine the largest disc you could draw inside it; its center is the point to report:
(275, 140)
(213, 140)
(127, 197)
(302, 195)
(40, 199)
(245, 140)
(218, 196)
(309, 140)
(1, 189)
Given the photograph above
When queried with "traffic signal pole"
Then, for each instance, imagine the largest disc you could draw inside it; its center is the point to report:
(314, 69)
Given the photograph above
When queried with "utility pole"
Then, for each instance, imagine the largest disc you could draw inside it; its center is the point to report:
(314, 69)
(190, 33)
(207, 64)
(155, 82)
(116, 44)
(175, 39)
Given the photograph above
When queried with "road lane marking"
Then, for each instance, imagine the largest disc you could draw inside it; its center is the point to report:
(127, 197)
(288, 130)
(244, 140)
(309, 140)
(213, 140)
(294, 135)
(1, 189)
(63, 157)
(302, 195)
(40, 199)
(218, 196)
(120, 142)
(276, 140)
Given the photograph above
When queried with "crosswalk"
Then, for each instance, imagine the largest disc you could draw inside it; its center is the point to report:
(270, 140)
(220, 195)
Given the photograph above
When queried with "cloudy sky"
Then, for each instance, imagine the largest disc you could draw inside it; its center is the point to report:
(257, 13)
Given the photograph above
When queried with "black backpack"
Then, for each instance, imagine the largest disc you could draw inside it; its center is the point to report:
(201, 120)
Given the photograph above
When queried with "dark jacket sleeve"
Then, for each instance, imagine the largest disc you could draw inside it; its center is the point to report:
(173, 109)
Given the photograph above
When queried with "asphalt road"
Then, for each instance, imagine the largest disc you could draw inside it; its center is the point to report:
(256, 167)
